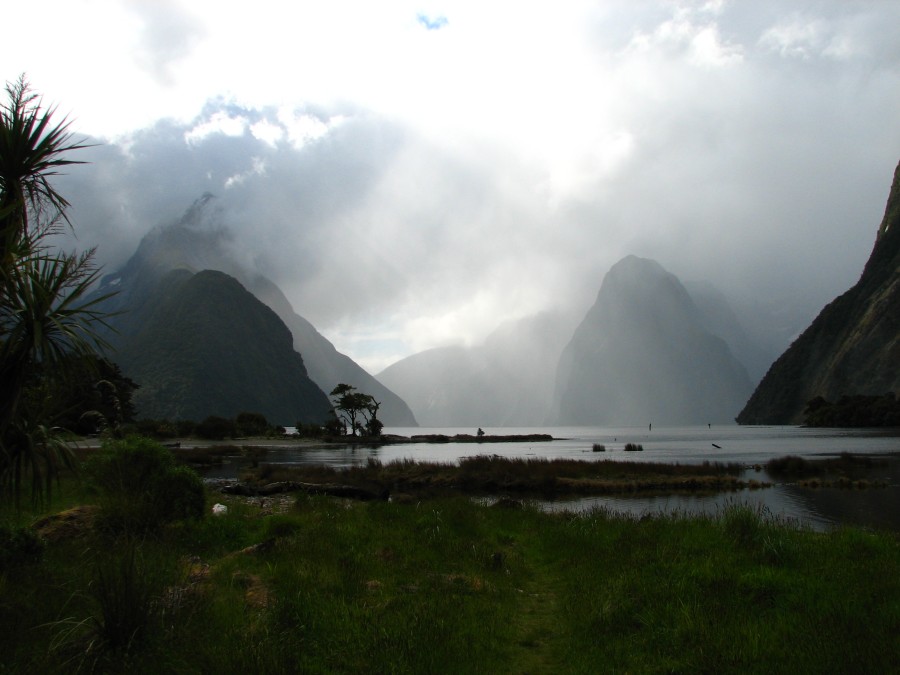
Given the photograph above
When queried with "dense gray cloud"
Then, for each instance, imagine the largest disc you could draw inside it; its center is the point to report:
(750, 145)
(167, 35)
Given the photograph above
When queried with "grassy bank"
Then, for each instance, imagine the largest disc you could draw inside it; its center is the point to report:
(327, 585)
(492, 474)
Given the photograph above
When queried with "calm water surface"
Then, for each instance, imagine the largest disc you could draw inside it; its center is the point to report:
(819, 509)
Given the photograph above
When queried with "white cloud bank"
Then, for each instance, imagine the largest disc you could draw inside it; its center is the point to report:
(412, 173)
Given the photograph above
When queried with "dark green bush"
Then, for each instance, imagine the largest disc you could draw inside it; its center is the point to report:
(185, 428)
(791, 465)
(854, 411)
(160, 429)
(251, 424)
(216, 428)
(140, 487)
(310, 430)
(19, 546)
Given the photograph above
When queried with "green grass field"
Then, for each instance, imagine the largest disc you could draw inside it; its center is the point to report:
(450, 586)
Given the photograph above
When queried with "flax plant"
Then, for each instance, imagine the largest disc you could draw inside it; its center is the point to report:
(45, 314)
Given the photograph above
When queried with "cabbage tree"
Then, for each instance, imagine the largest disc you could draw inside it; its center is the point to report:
(45, 316)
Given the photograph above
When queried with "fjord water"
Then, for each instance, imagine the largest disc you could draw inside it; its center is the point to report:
(751, 446)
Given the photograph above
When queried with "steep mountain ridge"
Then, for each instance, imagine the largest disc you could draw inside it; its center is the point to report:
(199, 242)
(207, 346)
(642, 355)
(853, 345)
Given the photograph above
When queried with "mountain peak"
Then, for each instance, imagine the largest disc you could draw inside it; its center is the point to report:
(642, 354)
(199, 240)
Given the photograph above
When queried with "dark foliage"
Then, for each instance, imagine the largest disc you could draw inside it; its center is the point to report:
(216, 428)
(46, 316)
(354, 412)
(310, 430)
(94, 395)
(793, 466)
(854, 411)
(140, 486)
(19, 546)
(251, 424)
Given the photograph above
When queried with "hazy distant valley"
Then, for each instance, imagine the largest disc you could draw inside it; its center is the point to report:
(651, 349)
(645, 351)
(514, 378)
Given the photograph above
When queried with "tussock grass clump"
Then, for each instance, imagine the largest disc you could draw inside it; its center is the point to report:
(128, 590)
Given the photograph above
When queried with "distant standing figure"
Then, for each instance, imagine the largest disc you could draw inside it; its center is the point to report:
(650, 428)
(480, 432)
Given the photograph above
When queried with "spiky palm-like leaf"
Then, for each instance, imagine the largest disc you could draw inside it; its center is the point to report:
(31, 152)
(45, 315)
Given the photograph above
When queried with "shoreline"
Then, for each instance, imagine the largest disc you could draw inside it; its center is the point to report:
(329, 441)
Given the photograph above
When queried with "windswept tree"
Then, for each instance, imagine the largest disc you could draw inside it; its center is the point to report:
(356, 411)
(45, 318)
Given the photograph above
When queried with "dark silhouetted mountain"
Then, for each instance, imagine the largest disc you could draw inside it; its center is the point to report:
(642, 355)
(853, 345)
(207, 346)
(506, 381)
(199, 242)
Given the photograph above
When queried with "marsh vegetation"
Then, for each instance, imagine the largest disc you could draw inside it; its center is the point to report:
(307, 583)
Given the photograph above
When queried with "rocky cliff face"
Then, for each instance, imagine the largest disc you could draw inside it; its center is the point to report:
(853, 345)
(198, 242)
(642, 355)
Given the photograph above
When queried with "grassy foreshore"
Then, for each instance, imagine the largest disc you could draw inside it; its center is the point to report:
(492, 475)
(321, 584)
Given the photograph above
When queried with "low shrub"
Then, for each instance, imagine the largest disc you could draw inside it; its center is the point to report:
(216, 428)
(19, 546)
(791, 465)
(251, 424)
(140, 486)
(161, 429)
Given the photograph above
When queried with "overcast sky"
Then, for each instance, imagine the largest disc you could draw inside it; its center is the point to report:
(414, 172)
